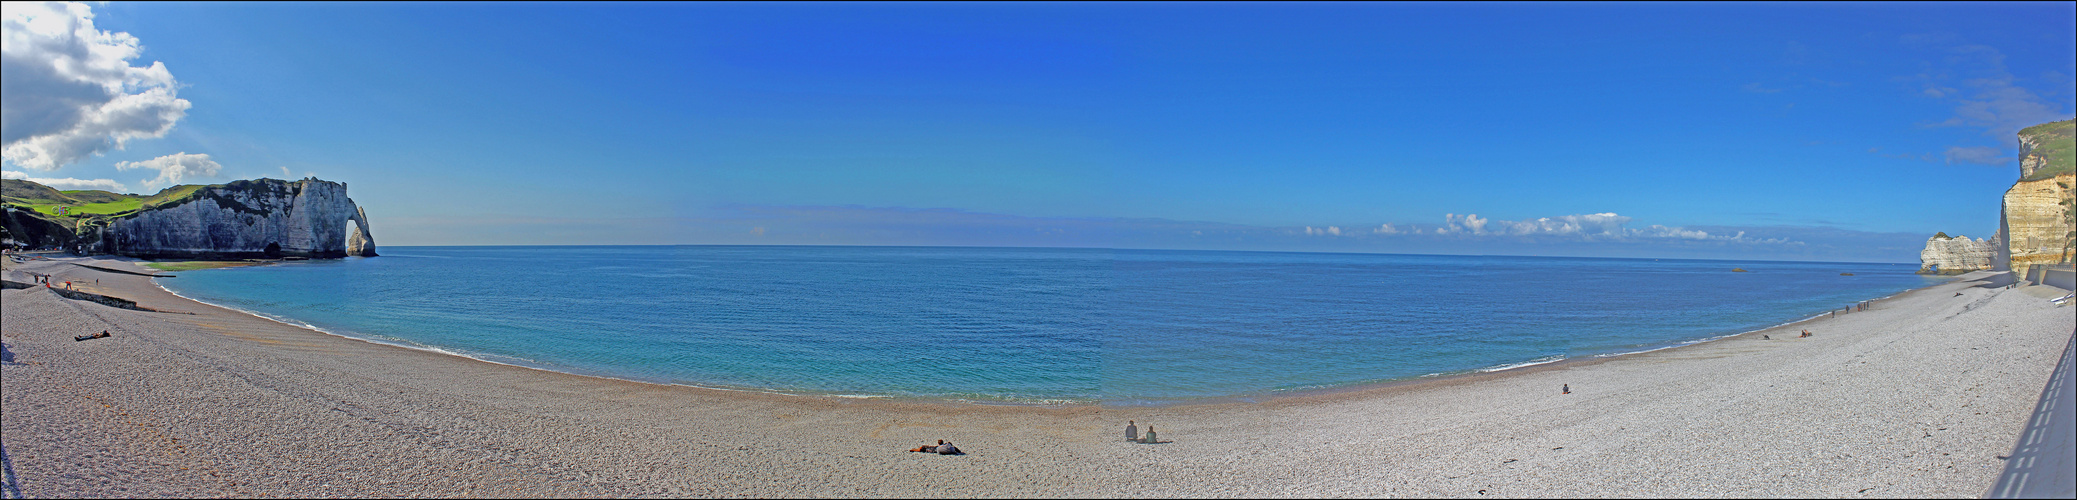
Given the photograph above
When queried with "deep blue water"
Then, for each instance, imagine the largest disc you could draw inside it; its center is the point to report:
(1027, 324)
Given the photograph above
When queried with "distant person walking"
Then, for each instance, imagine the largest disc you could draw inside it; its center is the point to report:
(1131, 431)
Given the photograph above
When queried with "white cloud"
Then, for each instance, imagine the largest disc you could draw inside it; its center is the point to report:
(1601, 226)
(285, 175)
(1326, 231)
(1978, 155)
(1589, 224)
(71, 91)
(1386, 229)
(174, 168)
(1470, 223)
(68, 183)
(1755, 87)
(1992, 101)
(1658, 231)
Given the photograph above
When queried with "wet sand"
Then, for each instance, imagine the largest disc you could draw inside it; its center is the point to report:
(1917, 397)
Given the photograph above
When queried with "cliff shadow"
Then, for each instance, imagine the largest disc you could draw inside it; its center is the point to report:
(1997, 280)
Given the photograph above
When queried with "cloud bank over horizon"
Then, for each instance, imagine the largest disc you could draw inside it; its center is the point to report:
(67, 183)
(1584, 235)
(175, 168)
(72, 93)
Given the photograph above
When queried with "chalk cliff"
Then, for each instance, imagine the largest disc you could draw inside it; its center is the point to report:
(1956, 255)
(2036, 218)
(2030, 157)
(19, 227)
(2036, 223)
(263, 218)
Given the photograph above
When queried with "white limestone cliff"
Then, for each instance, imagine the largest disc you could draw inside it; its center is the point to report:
(1956, 255)
(263, 218)
(2035, 226)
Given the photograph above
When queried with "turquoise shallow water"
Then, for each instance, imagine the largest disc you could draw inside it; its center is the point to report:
(1027, 325)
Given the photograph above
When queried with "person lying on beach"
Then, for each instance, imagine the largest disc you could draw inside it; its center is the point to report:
(1806, 333)
(82, 338)
(928, 448)
(948, 449)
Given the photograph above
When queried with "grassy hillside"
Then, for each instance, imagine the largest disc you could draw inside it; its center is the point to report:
(29, 192)
(56, 204)
(71, 208)
(2055, 142)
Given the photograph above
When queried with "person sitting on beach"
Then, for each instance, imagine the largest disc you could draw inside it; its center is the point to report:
(1131, 431)
(1806, 333)
(1149, 437)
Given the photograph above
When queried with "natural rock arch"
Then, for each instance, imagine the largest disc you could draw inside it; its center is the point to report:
(359, 242)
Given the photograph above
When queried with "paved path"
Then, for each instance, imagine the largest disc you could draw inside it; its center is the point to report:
(2044, 463)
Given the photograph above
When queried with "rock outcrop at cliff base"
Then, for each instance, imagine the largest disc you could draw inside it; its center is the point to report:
(1956, 255)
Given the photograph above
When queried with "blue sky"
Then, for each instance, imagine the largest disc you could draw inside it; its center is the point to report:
(1738, 131)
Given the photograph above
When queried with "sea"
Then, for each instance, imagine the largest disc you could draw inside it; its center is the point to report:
(1029, 326)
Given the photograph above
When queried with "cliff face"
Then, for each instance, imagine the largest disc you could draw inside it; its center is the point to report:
(1944, 255)
(25, 229)
(2036, 217)
(262, 218)
(2048, 150)
(2036, 227)
(2030, 158)
(359, 242)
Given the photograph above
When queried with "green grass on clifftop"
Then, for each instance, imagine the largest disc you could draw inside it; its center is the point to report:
(2056, 141)
(44, 200)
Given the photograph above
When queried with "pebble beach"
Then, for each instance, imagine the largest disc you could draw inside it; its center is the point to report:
(1918, 396)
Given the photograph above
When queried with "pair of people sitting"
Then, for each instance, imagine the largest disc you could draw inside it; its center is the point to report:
(942, 448)
(1132, 434)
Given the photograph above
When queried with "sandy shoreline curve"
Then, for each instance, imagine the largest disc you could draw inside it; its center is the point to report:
(1916, 397)
(1211, 400)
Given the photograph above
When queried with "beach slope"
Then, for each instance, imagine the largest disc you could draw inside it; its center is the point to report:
(1917, 397)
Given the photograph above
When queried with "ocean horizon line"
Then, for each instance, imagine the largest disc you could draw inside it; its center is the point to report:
(1305, 252)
